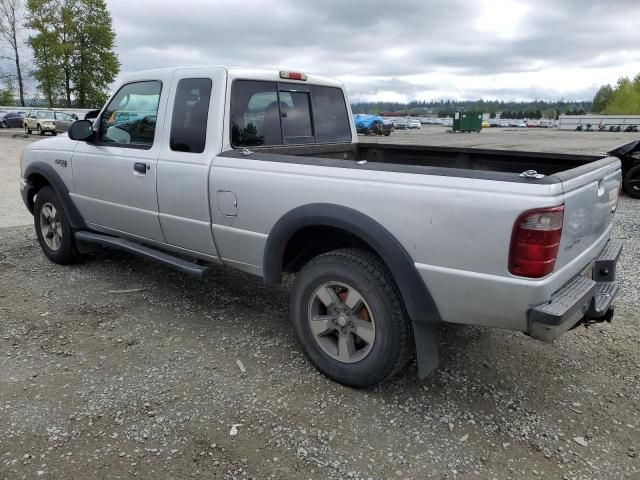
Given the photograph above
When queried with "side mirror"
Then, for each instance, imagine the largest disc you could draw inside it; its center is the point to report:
(81, 130)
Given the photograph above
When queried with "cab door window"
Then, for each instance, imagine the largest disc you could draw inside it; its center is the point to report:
(130, 117)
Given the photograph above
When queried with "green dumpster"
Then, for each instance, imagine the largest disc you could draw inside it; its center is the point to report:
(467, 122)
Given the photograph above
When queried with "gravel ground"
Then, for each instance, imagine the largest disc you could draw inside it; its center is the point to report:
(526, 139)
(96, 382)
(12, 211)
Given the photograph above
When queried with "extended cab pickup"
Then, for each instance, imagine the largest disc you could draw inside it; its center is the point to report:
(261, 171)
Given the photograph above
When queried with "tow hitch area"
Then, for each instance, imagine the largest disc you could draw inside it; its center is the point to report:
(587, 321)
(582, 301)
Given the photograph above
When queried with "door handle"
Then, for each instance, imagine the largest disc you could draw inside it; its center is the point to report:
(141, 167)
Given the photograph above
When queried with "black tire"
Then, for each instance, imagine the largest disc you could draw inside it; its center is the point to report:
(26, 129)
(40, 131)
(631, 182)
(67, 252)
(392, 346)
(3, 125)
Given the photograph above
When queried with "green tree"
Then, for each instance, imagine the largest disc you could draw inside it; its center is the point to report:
(625, 99)
(601, 99)
(6, 94)
(95, 64)
(42, 21)
(73, 47)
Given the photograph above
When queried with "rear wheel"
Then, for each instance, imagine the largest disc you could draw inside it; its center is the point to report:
(349, 318)
(26, 129)
(631, 182)
(53, 228)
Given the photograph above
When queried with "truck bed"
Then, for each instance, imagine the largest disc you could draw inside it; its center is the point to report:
(441, 160)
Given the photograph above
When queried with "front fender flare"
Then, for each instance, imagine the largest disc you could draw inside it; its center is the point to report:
(53, 178)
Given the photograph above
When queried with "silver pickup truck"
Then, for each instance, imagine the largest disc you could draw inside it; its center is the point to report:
(262, 171)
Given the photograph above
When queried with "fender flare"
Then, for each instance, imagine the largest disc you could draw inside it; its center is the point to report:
(416, 295)
(48, 172)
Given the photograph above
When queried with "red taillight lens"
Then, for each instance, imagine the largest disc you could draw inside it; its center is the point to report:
(535, 242)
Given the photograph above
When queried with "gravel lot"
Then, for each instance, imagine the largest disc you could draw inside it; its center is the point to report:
(97, 383)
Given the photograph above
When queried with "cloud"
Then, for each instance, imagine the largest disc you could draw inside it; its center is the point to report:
(384, 50)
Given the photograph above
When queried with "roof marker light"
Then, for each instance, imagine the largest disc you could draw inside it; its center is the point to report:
(293, 75)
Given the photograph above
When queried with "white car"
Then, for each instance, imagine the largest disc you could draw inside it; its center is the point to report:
(413, 123)
(41, 121)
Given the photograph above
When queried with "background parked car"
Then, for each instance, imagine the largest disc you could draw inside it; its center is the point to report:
(413, 123)
(41, 121)
(64, 121)
(400, 124)
(372, 124)
(11, 120)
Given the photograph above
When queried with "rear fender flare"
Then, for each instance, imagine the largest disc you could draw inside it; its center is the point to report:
(416, 296)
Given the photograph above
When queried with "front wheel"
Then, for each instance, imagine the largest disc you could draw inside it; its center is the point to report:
(349, 318)
(53, 228)
(40, 131)
(631, 182)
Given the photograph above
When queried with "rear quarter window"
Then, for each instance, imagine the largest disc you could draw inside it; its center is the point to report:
(190, 115)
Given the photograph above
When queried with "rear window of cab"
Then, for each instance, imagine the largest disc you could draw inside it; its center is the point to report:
(282, 113)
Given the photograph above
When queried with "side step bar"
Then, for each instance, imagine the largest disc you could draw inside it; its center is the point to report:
(180, 264)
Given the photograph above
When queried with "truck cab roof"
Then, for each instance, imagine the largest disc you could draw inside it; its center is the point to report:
(234, 72)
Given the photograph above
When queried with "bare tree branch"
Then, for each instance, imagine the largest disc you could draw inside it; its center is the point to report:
(11, 15)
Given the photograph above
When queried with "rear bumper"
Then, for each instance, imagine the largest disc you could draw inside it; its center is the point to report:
(584, 299)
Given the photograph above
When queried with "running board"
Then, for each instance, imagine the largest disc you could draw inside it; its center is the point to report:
(180, 264)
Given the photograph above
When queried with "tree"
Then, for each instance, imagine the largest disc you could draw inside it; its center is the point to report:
(625, 99)
(95, 64)
(73, 48)
(42, 20)
(6, 94)
(600, 101)
(10, 31)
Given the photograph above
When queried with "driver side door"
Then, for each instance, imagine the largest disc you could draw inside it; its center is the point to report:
(115, 174)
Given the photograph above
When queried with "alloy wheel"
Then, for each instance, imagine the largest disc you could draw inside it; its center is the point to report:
(341, 322)
(51, 226)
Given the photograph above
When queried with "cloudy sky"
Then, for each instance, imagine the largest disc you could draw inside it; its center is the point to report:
(396, 50)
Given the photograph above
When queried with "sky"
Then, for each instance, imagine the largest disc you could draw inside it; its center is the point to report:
(396, 50)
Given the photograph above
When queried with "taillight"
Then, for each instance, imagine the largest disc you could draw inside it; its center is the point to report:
(535, 242)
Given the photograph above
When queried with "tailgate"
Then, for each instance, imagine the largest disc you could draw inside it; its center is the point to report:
(590, 199)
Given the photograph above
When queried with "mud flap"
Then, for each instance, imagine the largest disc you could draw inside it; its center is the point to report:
(427, 347)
